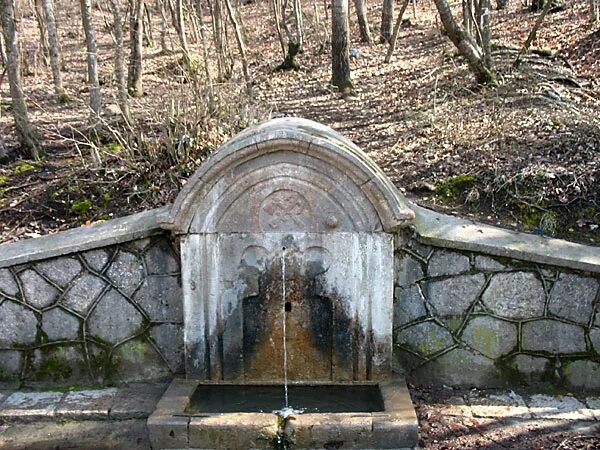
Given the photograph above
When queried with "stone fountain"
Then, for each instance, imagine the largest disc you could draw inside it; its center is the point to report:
(287, 257)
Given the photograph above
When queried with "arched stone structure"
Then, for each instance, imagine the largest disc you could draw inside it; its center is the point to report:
(289, 227)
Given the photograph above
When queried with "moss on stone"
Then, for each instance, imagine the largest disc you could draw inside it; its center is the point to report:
(454, 186)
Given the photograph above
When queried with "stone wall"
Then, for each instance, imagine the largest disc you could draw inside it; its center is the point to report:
(465, 318)
(112, 314)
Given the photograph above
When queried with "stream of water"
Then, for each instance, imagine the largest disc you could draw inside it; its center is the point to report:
(283, 313)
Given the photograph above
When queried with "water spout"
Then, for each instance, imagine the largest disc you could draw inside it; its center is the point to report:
(283, 311)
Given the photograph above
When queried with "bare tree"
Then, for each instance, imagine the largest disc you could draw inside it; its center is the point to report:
(387, 17)
(209, 79)
(533, 33)
(594, 11)
(164, 29)
(224, 62)
(394, 38)
(53, 48)
(179, 22)
(241, 46)
(363, 22)
(39, 17)
(340, 47)
(136, 33)
(92, 61)
(294, 38)
(27, 136)
(117, 32)
(466, 45)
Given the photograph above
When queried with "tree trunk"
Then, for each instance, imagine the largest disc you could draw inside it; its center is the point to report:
(120, 59)
(209, 79)
(39, 17)
(2, 52)
(299, 24)
(533, 33)
(218, 25)
(363, 23)
(486, 33)
(180, 25)
(241, 47)
(387, 17)
(148, 34)
(53, 47)
(136, 34)
(594, 11)
(394, 38)
(27, 136)
(164, 30)
(340, 47)
(465, 44)
(92, 61)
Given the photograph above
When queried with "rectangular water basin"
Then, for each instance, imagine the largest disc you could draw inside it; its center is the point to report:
(200, 415)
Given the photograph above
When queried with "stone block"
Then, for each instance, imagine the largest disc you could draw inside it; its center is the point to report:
(515, 295)
(409, 270)
(137, 361)
(444, 262)
(30, 406)
(243, 430)
(18, 325)
(160, 259)
(487, 264)
(83, 292)
(501, 405)
(454, 296)
(582, 374)
(60, 270)
(161, 298)
(561, 407)
(595, 339)
(169, 339)
(114, 319)
(553, 336)
(168, 432)
(59, 364)
(11, 364)
(136, 401)
(490, 336)
(572, 297)
(530, 365)
(426, 338)
(409, 305)
(37, 291)
(60, 325)
(86, 405)
(593, 404)
(8, 285)
(126, 272)
(96, 259)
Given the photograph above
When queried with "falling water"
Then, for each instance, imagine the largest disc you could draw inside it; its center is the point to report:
(285, 373)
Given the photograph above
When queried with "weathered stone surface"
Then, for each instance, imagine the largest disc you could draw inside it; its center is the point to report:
(160, 259)
(582, 374)
(136, 401)
(444, 262)
(487, 264)
(572, 297)
(409, 305)
(530, 365)
(161, 298)
(454, 296)
(425, 338)
(597, 319)
(137, 361)
(593, 404)
(8, 285)
(83, 293)
(420, 249)
(38, 292)
(114, 318)
(459, 367)
(169, 339)
(60, 270)
(515, 295)
(17, 325)
(59, 324)
(61, 364)
(409, 270)
(563, 407)
(96, 259)
(126, 272)
(490, 336)
(508, 405)
(139, 244)
(11, 364)
(553, 336)
(86, 404)
(595, 338)
(40, 405)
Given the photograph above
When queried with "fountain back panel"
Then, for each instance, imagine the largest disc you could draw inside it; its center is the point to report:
(287, 251)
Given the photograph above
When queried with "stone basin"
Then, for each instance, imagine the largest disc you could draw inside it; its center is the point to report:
(196, 414)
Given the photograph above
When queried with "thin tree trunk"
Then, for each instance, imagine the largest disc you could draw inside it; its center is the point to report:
(486, 33)
(209, 79)
(340, 47)
(2, 52)
(53, 47)
(387, 17)
(27, 136)
(594, 11)
(148, 34)
(181, 31)
(120, 59)
(465, 44)
(164, 30)
(92, 61)
(276, 5)
(39, 17)
(136, 31)
(533, 33)
(363, 22)
(299, 24)
(397, 26)
(218, 25)
(241, 47)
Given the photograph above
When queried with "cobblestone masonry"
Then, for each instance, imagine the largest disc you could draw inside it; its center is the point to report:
(467, 319)
(109, 315)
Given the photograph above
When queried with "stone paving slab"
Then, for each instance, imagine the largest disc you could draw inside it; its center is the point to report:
(593, 404)
(559, 407)
(498, 405)
(30, 406)
(136, 402)
(85, 405)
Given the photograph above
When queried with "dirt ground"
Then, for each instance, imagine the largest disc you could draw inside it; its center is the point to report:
(525, 155)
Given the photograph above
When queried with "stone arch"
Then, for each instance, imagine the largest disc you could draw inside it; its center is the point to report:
(288, 175)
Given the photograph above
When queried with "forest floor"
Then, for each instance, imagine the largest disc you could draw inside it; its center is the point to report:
(524, 155)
